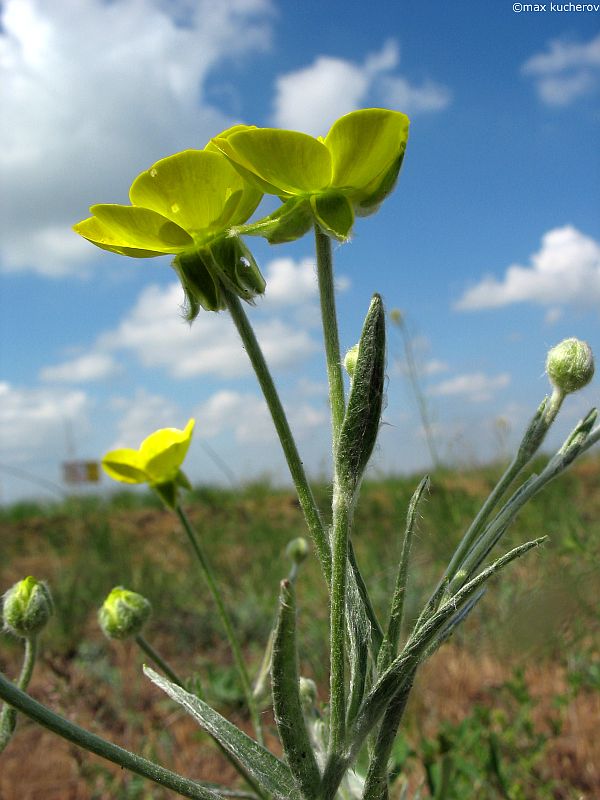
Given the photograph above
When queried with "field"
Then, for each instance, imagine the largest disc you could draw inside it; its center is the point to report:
(509, 708)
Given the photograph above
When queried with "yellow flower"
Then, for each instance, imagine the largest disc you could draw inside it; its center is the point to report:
(185, 205)
(156, 462)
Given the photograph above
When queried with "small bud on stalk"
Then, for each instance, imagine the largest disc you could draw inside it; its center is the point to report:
(123, 613)
(298, 550)
(350, 360)
(27, 606)
(570, 365)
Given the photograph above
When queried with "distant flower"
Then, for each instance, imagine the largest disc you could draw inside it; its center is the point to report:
(327, 180)
(185, 205)
(157, 462)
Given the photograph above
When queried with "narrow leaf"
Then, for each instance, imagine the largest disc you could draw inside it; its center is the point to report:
(397, 605)
(271, 774)
(287, 704)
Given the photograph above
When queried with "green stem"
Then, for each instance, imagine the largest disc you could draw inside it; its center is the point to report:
(8, 717)
(101, 747)
(342, 518)
(225, 621)
(330, 332)
(158, 660)
(296, 467)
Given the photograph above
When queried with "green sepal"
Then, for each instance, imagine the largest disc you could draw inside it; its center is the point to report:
(292, 220)
(334, 215)
(365, 403)
(201, 287)
(236, 263)
(287, 703)
(271, 774)
(167, 493)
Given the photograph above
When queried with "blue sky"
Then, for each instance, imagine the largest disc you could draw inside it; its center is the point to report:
(490, 244)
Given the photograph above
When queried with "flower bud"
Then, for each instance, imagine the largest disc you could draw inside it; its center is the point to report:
(26, 607)
(298, 550)
(350, 360)
(123, 613)
(570, 365)
(308, 693)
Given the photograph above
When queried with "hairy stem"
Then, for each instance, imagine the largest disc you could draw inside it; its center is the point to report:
(330, 332)
(296, 467)
(8, 717)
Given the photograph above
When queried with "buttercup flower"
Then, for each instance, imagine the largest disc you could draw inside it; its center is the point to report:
(185, 205)
(157, 462)
(327, 180)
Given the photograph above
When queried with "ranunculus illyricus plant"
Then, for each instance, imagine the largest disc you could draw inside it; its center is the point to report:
(196, 206)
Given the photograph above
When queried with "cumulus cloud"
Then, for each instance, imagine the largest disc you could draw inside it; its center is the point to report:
(84, 369)
(475, 387)
(143, 414)
(247, 415)
(158, 336)
(312, 98)
(566, 71)
(33, 421)
(290, 282)
(95, 92)
(564, 271)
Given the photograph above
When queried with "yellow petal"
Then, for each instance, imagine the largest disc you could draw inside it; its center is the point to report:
(163, 452)
(124, 465)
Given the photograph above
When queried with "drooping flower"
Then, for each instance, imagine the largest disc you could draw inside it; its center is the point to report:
(156, 462)
(324, 180)
(185, 205)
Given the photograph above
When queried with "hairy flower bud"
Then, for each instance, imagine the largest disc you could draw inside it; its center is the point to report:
(350, 360)
(570, 365)
(123, 613)
(27, 607)
(298, 550)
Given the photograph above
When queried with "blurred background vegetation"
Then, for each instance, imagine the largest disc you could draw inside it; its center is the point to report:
(508, 708)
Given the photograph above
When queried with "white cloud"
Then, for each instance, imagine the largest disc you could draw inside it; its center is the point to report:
(290, 283)
(312, 98)
(474, 387)
(159, 337)
(142, 415)
(85, 368)
(567, 70)
(566, 270)
(95, 92)
(428, 96)
(34, 422)
(248, 417)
